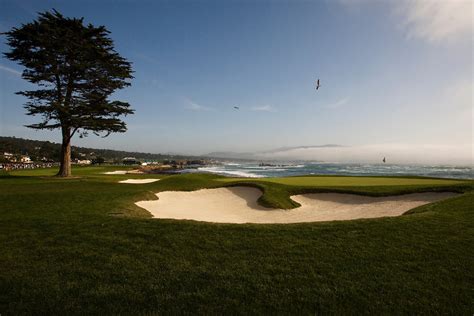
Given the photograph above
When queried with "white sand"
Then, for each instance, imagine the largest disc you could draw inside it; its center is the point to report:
(138, 181)
(239, 205)
(116, 172)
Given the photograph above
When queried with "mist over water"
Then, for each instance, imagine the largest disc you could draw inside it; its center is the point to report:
(254, 170)
(410, 154)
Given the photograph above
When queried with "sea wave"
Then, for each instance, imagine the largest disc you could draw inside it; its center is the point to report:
(253, 170)
(237, 173)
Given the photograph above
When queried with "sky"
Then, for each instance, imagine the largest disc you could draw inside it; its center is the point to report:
(395, 75)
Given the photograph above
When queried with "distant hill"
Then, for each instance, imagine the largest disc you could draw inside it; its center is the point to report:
(281, 149)
(282, 153)
(37, 149)
(230, 155)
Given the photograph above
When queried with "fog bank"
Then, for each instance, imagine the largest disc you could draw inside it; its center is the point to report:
(394, 153)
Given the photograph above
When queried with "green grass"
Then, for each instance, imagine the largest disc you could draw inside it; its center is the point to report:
(80, 246)
(277, 191)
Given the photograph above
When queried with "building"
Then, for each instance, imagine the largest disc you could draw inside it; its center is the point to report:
(25, 159)
(130, 161)
(9, 157)
(83, 162)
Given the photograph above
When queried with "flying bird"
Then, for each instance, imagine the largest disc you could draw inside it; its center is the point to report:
(317, 84)
(236, 107)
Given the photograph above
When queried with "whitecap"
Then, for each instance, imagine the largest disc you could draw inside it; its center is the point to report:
(230, 172)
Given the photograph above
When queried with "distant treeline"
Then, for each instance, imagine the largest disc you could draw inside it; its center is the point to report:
(37, 150)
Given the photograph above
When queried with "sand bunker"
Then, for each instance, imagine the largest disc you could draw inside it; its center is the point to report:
(116, 172)
(138, 181)
(239, 205)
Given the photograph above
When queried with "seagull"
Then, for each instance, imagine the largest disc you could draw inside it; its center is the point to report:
(236, 107)
(317, 84)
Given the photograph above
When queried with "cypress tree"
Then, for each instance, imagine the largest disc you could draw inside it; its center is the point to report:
(76, 69)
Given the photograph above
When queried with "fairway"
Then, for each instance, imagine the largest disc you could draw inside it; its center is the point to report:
(243, 157)
(81, 245)
(338, 181)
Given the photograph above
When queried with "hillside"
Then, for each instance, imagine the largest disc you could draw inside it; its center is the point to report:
(37, 149)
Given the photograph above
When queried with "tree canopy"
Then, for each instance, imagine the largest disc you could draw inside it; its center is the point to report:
(76, 69)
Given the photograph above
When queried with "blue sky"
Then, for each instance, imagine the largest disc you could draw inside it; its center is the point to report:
(392, 73)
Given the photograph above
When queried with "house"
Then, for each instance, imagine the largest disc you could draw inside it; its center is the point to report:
(9, 157)
(130, 161)
(25, 159)
(82, 162)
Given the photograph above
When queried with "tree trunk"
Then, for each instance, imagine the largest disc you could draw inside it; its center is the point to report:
(65, 166)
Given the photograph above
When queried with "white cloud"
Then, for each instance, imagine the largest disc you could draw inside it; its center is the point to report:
(436, 20)
(431, 20)
(10, 70)
(338, 104)
(193, 106)
(264, 108)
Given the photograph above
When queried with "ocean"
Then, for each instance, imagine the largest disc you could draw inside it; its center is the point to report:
(255, 170)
